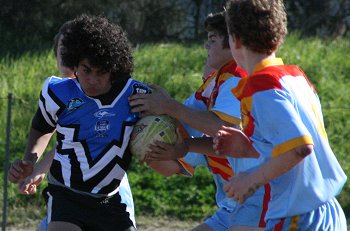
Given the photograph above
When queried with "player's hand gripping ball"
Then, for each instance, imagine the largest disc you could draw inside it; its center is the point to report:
(149, 129)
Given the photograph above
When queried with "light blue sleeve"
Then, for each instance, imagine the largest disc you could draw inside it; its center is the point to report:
(195, 104)
(195, 159)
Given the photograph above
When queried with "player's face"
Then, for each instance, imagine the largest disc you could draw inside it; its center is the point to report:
(64, 71)
(93, 80)
(217, 55)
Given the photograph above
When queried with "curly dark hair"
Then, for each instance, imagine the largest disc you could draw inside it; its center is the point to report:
(261, 25)
(216, 22)
(103, 43)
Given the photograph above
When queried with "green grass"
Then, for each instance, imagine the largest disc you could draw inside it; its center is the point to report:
(172, 66)
(178, 68)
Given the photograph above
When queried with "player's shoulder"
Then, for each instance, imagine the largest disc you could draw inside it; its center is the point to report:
(138, 87)
(277, 72)
(270, 77)
(55, 80)
(55, 83)
(266, 79)
(231, 69)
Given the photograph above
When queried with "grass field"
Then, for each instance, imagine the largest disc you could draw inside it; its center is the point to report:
(178, 68)
(144, 223)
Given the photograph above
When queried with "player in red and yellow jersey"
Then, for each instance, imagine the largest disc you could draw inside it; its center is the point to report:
(283, 122)
(202, 114)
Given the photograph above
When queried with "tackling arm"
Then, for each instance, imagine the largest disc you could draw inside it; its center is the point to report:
(204, 121)
(159, 102)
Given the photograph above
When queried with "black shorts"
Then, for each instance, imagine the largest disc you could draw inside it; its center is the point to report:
(87, 212)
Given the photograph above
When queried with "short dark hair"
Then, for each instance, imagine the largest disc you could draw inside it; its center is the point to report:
(63, 29)
(216, 22)
(101, 42)
(261, 25)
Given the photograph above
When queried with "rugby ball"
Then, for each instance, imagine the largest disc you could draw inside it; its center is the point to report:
(149, 129)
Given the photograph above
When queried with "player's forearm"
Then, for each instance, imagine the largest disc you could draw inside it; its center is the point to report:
(166, 168)
(204, 121)
(277, 166)
(37, 142)
(203, 145)
(43, 166)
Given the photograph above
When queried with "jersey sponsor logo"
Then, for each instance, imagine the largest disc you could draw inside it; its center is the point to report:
(102, 113)
(74, 104)
(139, 89)
(102, 127)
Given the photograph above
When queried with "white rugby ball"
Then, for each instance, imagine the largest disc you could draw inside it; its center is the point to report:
(149, 129)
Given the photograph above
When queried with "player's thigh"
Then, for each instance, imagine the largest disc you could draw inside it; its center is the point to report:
(245, 228)
(60, 225)
(202, 227)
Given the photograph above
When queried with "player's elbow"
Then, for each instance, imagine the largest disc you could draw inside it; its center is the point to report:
(305, 150)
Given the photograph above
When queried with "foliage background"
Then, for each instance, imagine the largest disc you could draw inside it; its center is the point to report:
(27, 25)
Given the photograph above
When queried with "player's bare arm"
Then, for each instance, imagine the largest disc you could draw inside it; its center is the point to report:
(160, 151)
(37, 143)
(243, 185)
(159, 102)
(156, 103)
(19, 169)
(165, 168)
(203, 145)
(43, 166)
(30, 183)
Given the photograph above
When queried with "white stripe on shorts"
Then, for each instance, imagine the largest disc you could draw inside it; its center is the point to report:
(49, 207)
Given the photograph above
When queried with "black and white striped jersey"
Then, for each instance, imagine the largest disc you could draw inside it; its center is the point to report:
(92, 153)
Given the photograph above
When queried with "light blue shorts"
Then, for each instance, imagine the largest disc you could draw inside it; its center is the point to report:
(328, 216)
(243, 215)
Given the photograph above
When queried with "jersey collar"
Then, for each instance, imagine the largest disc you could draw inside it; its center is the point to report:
(267, 63)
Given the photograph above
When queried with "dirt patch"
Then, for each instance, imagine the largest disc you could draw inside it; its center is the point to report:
(143, 224)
